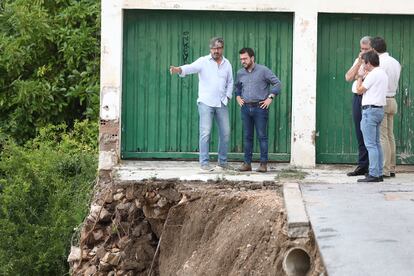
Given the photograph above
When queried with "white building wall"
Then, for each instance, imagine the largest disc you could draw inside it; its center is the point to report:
(304, 56)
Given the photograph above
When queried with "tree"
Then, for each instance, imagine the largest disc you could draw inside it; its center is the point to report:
(49, 64)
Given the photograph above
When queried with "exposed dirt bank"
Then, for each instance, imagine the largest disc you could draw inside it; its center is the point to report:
(213, 228)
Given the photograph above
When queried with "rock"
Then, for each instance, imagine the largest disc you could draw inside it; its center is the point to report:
(119, 190)
(111, 258)
(75, 266)
(103, 266)
(105, 216)
(123, 206)
(108, 197)
(152, 197)
(130, 193)
(93, 213)
(155, 212)
(90, 271)
(141, 229)
(75, 254)
(132, 265)
(92, 253)
(162, 202)
(124, 241)
(132, 212)
(171, 194)
(97, 235)
(150, 194)
(100, 252)
(159, 213)
(138, 203)
(118, 196)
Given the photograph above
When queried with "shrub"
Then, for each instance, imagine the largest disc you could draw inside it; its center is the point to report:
(46, 186)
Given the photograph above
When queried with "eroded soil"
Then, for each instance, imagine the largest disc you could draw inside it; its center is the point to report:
(166, 227)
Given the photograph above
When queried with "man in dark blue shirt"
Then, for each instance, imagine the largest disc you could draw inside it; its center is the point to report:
(256, 87)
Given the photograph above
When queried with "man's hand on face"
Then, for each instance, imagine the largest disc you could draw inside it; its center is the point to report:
(240, 100)
(361, 71)
(266, 103)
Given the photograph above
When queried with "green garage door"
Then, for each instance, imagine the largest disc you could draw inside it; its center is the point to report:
(159, 112)
(338, 45)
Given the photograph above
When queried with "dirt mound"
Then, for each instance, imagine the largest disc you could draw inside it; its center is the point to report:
(220, 228)
(227, 233)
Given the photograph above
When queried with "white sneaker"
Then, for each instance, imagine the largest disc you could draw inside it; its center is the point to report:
(207, 168)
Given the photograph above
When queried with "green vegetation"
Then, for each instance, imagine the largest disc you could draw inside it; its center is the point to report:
(46, 187)
(291, 173)
(49, 64)
(49, 104)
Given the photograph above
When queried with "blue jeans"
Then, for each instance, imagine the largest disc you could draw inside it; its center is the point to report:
(254, 117)
(221, 115)
(370, 127)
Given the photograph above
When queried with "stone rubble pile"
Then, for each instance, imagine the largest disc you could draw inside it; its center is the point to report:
(121, 233)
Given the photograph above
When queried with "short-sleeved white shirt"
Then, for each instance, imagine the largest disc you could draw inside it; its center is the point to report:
(376, 83)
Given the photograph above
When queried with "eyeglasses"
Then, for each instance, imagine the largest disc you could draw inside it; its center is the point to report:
(216, 48)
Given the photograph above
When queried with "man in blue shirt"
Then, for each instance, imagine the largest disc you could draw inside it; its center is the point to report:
(256, 87)
(214, 92)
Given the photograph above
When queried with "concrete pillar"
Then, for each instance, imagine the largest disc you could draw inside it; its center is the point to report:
(304, 88)
(111, 81)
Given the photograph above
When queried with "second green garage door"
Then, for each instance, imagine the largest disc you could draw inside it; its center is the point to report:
(159, 112)
(338, 45)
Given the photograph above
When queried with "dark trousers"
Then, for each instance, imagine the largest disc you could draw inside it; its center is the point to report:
(357, 116)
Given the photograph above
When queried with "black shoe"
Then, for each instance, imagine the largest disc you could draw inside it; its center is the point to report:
(371, 178)
(386, 176)
(392, 174)
(358, 171)
(381, 178)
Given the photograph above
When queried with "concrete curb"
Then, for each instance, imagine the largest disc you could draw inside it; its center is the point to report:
(298, 224)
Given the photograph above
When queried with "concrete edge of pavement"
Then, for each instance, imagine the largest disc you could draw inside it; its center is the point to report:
(298, 224)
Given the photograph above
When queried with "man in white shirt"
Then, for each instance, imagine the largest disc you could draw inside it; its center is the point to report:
(393, 69)
(373, 86)
(215, 88)
(351, 75)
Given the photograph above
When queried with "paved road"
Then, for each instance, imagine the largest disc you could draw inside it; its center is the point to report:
(364, 229)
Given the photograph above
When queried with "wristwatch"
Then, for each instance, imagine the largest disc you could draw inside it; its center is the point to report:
(271, 96)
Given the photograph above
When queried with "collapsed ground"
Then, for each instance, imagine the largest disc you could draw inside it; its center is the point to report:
(169, 227)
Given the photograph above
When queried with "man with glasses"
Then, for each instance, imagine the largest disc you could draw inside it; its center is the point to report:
(352, 75)
(256, 87)
(214, 93)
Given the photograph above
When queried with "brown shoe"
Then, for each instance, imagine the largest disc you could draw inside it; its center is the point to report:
(245, 168)
(262, 168)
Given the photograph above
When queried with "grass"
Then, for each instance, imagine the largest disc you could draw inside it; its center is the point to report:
(291, 173)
